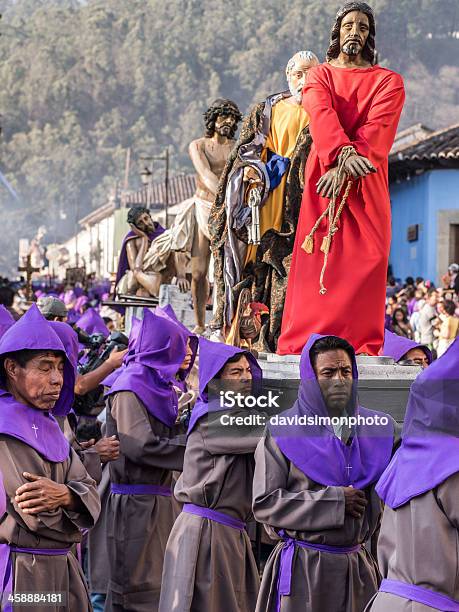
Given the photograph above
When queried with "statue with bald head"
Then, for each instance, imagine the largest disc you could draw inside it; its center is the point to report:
(252, 222)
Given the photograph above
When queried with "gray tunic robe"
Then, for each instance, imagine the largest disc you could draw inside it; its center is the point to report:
(209, 567)
(98, 561)
(284, 498)
(138, 525)
(419, 544)
(58, 529)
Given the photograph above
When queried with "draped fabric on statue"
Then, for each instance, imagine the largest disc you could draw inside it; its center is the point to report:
(361, 108)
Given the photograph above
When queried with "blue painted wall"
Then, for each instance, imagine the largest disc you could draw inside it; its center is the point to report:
(416, 202)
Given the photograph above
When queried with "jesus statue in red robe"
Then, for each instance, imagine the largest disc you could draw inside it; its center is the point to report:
(337, 278)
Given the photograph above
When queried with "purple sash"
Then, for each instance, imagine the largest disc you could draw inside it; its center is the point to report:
(284, 582)
(140, 489)
(6, 567)
(419, 594)
(214, 515)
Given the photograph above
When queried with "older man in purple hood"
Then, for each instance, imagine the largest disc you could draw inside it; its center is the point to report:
(50, 497)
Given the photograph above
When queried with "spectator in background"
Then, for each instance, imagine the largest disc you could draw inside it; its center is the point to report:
(400, 323)
(448, 328)
(7, 299)
(449, 279)
(428, 318)
(52, 308)
(391, 288)
(110, 323)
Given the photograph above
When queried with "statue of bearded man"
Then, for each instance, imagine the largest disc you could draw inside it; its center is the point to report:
(209, 155)
(254, 217)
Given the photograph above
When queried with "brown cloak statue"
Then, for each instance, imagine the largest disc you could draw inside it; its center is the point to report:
(266, 276)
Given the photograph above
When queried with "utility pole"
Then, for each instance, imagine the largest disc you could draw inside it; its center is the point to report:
(147, 177)
(166, 199)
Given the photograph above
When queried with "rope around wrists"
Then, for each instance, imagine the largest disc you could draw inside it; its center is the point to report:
(338, 180)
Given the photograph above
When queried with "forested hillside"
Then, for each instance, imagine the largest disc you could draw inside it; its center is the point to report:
(83, 81)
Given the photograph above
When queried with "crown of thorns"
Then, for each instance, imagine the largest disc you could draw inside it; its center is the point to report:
(223, 107)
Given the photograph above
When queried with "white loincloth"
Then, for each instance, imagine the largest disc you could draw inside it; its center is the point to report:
(202, 210)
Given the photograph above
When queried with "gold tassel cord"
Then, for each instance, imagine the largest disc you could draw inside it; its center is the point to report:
(338, 181)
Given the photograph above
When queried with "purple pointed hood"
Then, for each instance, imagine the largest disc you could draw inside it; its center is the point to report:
(109, 381)
(68, 297)
(2, 496)
(81, 301)
(92, 323)
(6, 320)
(168, 312)
(156, 357)
(396, 346)
(429, 452)
(35, 427)
(314, 448)
(212, 358)
(69, 339)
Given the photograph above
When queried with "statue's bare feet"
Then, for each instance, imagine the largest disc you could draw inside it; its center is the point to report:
(199, 330)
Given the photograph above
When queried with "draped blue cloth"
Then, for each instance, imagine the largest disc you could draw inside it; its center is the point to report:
(276, 167)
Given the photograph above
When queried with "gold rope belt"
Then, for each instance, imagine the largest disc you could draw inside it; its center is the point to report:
(338, 180)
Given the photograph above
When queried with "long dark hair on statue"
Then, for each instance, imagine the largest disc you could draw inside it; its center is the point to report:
(221, 106)
(368, 52)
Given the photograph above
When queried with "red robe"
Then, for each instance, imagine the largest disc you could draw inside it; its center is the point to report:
(359, 107)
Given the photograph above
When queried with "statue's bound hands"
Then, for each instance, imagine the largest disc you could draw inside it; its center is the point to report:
(325, 183)
(356, 167)
(359, 166)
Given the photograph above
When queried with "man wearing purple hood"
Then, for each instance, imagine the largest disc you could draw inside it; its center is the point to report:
(418, 545)
(406, 351)
(142, 410)
(50, 497)
(92, 454)
(209, 565)
(315, 474)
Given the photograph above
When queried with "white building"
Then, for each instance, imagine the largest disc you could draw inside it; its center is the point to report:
(97, 245)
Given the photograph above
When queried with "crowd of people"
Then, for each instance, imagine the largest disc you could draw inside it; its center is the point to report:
(419, 311)
(157, 496)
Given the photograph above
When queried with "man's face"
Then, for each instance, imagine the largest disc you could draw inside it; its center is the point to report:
(238, 375)
(333, 370)
(296, 77)
(188, 356)
(353, 33)
(40, 382)
(145, 222)
(225, 124)
(417, 356)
